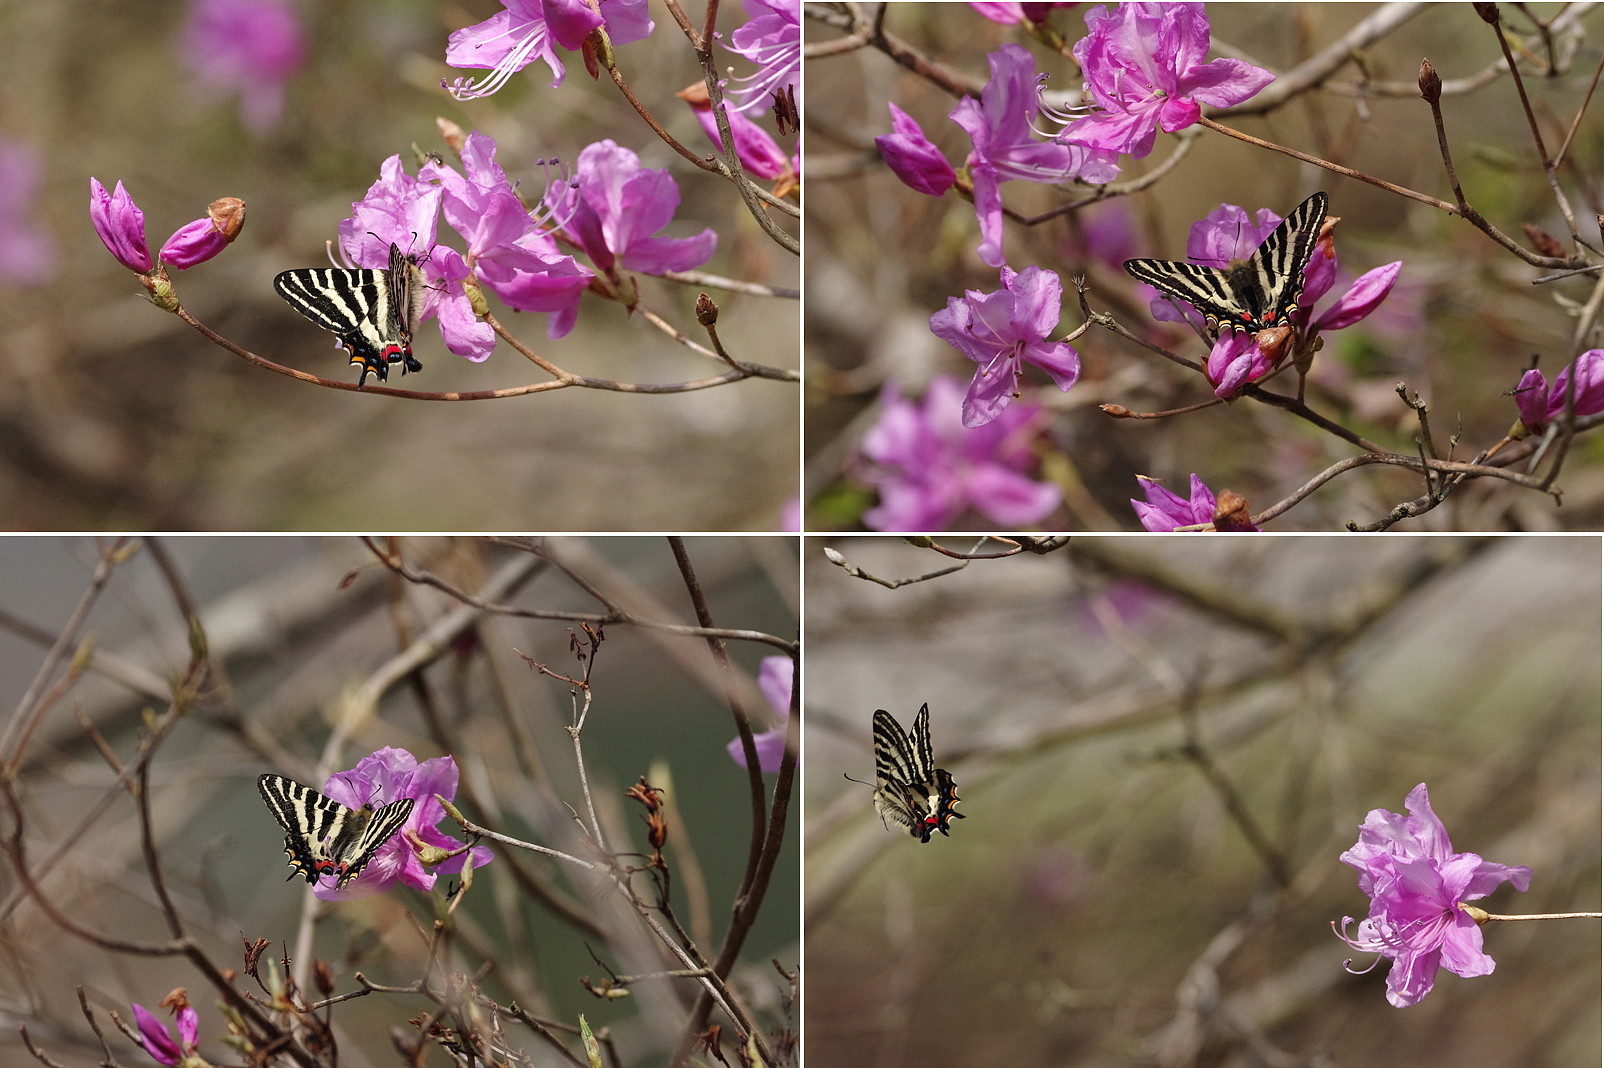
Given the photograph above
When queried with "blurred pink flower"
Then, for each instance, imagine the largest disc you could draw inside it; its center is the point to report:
(27, 250)
(252, 46)
(774, 678)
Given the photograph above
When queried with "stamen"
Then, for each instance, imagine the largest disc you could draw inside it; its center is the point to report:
(758, 87)
(465, 89)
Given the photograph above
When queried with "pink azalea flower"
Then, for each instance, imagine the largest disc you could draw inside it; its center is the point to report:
(757, 151)
(159, 1043)
(1416, 883)
(251, 46)
(614, 207)
(1144, 69)
(1166, 511)
(930, 471)
(1006, 146)
(1002, 332)
(913, 158)
(1105, 232)
(27, 249)
(202, 239)
(509, 252)
(527, 30)
(120, 224)
(774, 677)
(1236, 359)
(1011, 12)
(512, 254)
(383, 777)
(1540, 405)
(772, 39)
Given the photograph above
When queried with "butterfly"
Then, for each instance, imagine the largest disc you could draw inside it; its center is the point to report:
(1247, 296)
(325, 837)
(373, 312)
(908, 790)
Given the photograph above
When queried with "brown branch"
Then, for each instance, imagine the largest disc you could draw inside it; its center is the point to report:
(566, 380)
(763, 848)
(36, 699)
(1468, 213)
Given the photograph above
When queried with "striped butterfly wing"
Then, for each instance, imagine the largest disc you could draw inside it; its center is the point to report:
(1250, 295)
(325, 837)
(373, 313)
(909, 789)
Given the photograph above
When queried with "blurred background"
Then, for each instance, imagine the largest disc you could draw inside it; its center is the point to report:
(1124, 718)
(117, 416)
(296, 627)
(1462, 324)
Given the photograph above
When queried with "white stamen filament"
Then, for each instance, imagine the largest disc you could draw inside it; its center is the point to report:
(465, 89)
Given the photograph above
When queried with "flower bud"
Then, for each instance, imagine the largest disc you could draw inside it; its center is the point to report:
(1273, 342)
(695, 94)
(202, 239)
(1231, 512)
(913, 157)
(1430, 82)
(120, 224)
(451, 134)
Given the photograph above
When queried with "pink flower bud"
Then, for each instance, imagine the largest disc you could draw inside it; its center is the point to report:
(120, 224)
(202, 239)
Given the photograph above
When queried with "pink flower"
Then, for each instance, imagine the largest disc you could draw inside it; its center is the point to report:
(158, 1042)
(1416, 884)
(1540, 405)
(511, 253)
(1006, 146)
(1002, 332)
(120, 224)
(1166, 511)
(930, 470)
(1144, 68)
(202, 239)
(774, 677)
(253, 46)
(27, 250)
(1012, 13)
(772, 39)
(527, 30)
(614, 207)
(913, 158)
(1227, 235)
(1236, 359)
(757, 151)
